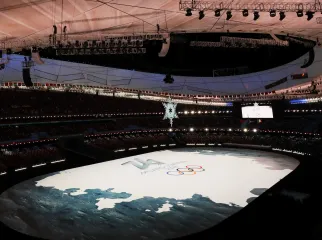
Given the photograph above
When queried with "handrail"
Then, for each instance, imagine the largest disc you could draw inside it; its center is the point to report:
(206, 100)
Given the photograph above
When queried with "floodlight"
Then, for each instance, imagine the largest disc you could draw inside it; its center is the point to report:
(217, 13)
(272, 13)
(201, 15)
(309, 15)
(256, 15)
(282, 16)
(229, 15)
(245, 13)
(299, 13)
(188, 12)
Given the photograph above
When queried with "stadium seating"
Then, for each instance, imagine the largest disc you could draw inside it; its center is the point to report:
(37, 103)
(23, 156)
(304, 130)
(16, 158)
(49, 130)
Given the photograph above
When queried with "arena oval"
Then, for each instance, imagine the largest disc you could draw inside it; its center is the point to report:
(136, 197)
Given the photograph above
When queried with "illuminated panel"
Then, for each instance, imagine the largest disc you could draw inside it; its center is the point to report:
(257, 112)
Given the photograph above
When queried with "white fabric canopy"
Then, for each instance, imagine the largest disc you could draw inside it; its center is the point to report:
(33, 19)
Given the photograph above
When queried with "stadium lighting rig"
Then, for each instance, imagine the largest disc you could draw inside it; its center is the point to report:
(300, 8)
(132, 44)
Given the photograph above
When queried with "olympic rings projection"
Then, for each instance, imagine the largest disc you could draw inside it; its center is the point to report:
(188, 170)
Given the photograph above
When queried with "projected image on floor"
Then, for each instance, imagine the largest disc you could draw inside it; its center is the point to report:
(158, 195)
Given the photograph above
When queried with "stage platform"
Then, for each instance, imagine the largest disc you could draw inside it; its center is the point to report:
(158, 195)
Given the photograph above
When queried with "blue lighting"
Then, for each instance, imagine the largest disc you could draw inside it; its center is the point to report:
(229, 104)
(299, 101)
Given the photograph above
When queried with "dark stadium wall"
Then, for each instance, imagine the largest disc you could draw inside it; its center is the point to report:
(279, 107)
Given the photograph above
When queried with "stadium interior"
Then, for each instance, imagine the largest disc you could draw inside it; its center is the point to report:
(87, 82)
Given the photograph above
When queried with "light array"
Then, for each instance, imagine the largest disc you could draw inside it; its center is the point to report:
(207, 100)
(306, 100)
(304, 111)
(205, 112)
(33, 166)
(113, 114)
(160, 130)
(300, 8)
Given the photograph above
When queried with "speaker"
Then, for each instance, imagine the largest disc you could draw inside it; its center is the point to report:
(26, 77)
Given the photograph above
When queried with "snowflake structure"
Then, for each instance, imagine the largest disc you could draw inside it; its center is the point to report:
(256, 110)
(170, 110)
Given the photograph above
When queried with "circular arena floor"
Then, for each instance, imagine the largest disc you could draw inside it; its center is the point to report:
(158, 195)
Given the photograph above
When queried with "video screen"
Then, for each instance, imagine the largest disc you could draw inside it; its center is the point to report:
(257, 112)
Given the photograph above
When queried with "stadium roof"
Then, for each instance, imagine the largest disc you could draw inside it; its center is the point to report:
(55, 71)
(26, 19)
(33, 20)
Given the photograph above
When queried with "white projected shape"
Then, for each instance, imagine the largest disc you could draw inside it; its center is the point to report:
(170, 110)
(226, 178)
(165, 208)
(257, 111)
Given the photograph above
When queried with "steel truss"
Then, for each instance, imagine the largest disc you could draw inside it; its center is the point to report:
(235, 42)
(261, 6)
(99, 51)
(137, 37)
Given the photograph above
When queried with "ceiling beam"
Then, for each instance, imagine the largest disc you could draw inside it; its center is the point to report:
(19, 22)
(43, 11)
(90, 23)
(22, 5)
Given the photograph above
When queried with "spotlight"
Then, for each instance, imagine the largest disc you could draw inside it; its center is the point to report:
(229, 15)
(201, 15)
(245, 13)
(256, 15)
(217, 13)
(189, 12)
(282, 16)
(272, 13)
(299, 13)
(309, 15)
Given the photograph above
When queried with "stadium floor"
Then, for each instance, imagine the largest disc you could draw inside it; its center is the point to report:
(157, 195)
